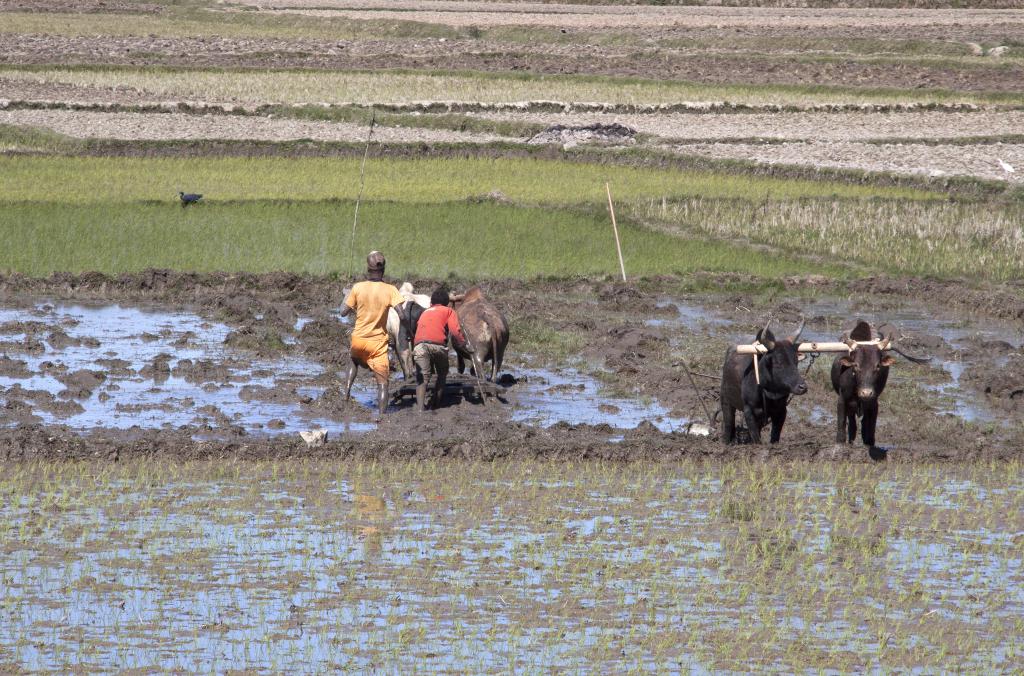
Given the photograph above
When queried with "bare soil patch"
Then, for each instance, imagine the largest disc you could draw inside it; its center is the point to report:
(631, 16)
(808, 139)
(27, 90)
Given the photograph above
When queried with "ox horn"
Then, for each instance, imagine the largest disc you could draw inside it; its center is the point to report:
(796, 336)
(886, 344)
(762, 335)
(850, 342)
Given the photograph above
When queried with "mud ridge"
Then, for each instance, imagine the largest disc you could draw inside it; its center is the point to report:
(510, 441)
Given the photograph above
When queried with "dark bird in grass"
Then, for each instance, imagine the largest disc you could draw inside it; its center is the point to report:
(188, 198)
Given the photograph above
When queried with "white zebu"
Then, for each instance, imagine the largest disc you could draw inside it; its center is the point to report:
(393, 324)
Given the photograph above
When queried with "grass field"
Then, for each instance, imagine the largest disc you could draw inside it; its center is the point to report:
(396, 87)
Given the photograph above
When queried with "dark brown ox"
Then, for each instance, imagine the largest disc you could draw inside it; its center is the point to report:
(484, 327)
(765, 400)
(859, 379)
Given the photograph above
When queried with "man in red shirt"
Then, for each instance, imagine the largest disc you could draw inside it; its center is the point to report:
(430, 346)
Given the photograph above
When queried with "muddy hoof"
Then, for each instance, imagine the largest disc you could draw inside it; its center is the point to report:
(507, 379)
(877, 453)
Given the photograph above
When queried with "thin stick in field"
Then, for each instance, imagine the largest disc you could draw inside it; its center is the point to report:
(615, 228)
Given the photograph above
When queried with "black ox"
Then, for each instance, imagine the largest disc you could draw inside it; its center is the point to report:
(859, 378)
(766, 400)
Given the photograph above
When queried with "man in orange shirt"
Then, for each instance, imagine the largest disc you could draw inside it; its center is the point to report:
(370, 301)
(435, 326)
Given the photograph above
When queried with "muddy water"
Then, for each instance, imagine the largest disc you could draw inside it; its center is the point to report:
(518, 566)
(127, 346)
(568, 396)
(118, 366)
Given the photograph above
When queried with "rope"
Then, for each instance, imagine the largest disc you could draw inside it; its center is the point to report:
(813, 357)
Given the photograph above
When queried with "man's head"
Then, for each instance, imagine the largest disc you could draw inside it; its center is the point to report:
(439, 296)
(375, 265)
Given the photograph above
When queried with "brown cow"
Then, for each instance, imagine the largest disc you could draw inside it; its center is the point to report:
(485, 328)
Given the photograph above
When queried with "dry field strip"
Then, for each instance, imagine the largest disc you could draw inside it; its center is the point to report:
(625, 16)
(175, 126)
(931, 160)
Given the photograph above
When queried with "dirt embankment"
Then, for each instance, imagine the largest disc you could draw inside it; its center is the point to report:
(468, 435)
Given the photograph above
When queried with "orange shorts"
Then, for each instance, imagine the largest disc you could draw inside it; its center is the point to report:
(374, 356)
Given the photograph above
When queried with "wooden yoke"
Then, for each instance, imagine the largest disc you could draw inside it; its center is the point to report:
(758, 348)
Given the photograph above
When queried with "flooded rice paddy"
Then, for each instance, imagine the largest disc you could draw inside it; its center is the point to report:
(118, 366)
(511, 566)
(149, 367)
(569, 396)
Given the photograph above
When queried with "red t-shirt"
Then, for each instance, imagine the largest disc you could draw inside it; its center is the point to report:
(436, 323)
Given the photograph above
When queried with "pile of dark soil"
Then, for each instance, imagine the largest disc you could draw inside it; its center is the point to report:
(569, 136)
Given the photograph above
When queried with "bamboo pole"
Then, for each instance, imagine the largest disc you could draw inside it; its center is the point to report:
(615, 227)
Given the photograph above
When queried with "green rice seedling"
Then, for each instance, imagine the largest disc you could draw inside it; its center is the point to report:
(474, 553)
(316, 236)
(526, 181)
(738, 511)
